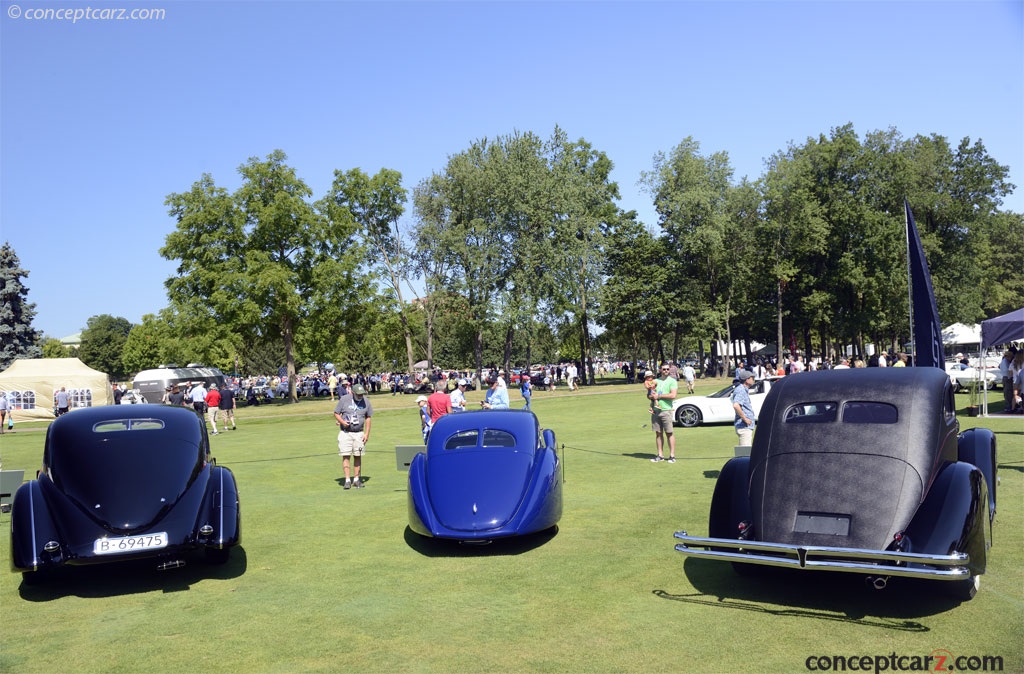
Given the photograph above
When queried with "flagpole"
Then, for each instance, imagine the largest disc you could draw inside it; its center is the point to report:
(910, 282)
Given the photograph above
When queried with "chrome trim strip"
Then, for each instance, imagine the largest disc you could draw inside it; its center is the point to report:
(220, 509)
(823, 558)
(32, 525)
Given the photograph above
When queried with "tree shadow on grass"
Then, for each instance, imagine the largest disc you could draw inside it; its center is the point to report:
(131, 577)
(516, 545)
(839, 597)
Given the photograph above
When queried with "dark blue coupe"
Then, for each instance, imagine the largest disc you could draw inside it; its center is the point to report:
(124, 482)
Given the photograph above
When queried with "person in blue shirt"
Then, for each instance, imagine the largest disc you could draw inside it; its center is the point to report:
(497, 396)
(526, 388)
(425, 423)
(745, 421)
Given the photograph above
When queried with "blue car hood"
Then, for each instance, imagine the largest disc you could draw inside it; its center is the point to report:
(479, 488)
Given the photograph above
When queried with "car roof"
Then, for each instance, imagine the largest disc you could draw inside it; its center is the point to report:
(916, 394)
(75, 428)
(521, 424)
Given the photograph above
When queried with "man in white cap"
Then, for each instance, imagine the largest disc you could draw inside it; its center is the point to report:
(425, 423)
(744, 409)
(458, 396)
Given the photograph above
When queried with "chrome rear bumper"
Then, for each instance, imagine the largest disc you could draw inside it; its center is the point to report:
(822, 558)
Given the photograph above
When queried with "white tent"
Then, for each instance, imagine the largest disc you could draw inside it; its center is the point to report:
(958, 333)
(30, 385)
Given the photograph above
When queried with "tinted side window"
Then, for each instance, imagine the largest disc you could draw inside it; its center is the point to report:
(870, 413)
(812, 413)
(463, 439)
(493, 438)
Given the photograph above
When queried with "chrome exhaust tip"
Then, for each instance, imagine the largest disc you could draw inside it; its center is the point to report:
(877, 582)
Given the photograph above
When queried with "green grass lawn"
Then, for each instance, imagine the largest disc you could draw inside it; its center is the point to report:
(332, 580)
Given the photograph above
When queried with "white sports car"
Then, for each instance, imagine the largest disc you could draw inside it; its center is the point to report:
(690, 411)
(962, 378)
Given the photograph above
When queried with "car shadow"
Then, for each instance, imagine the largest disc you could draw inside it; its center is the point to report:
(131, 577)
(517, 545)
(841, 597)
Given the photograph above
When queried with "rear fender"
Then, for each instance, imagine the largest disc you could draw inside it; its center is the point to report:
(222, 510)
(421, 519)
(954, 517)
(32, 527)
(542, 507)
(978, 446)
(730, 503)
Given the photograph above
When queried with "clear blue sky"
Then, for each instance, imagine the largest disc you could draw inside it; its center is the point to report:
(101, 119)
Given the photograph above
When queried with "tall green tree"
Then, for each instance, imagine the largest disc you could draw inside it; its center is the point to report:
(376, 205)
(459, 223)
(260, 260)
(635, 305)
(103, 343)
(18, 339)
(524, 185)
(691, 196)
(585, 210)
(143, 348)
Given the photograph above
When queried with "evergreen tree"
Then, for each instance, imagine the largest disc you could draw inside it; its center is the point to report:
(17, 337)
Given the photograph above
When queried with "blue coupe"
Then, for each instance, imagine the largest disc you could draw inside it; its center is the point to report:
(486, 475)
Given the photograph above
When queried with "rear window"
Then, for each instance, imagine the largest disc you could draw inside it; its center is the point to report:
(115, 425)
(491, 438)
(870, 413)
(812, 413)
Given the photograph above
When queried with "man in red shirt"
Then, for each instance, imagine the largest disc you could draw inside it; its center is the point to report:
(439, 403)
(213, 406)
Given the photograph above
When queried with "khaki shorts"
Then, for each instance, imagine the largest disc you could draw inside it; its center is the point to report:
(661, 421)
(351, 443)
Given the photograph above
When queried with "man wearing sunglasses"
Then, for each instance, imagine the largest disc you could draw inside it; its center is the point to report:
(661, 414)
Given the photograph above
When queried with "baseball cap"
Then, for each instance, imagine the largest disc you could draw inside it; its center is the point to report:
(359, 390)
(421, 399)
(647, 374)
(463, 382)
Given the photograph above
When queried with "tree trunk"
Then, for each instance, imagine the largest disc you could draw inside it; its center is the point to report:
(510, 333)
(778, 320)
(478, 354)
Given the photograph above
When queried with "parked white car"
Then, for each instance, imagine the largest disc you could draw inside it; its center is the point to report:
(690, 411)
(962, 378)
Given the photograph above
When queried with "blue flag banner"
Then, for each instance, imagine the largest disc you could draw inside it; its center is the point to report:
(927, 329)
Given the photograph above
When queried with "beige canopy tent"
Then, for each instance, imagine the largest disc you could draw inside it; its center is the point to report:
(31, 383)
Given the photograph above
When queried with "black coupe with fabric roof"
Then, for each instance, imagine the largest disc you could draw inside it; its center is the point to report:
(859, 471)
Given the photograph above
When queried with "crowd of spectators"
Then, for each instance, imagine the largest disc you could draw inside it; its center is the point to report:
(547, 377)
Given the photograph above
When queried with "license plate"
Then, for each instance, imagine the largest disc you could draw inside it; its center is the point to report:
(124, 544)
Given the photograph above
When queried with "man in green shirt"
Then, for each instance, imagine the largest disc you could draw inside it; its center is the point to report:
(662, 395)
